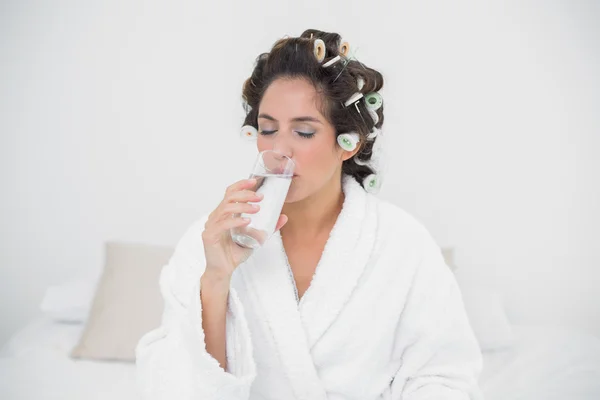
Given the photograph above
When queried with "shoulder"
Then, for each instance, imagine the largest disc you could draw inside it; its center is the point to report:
(192, 236)
(407, 240)
(395, 220)
(402, 234)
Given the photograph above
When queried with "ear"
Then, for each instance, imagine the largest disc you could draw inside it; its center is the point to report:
(346, 155)
(348, 144)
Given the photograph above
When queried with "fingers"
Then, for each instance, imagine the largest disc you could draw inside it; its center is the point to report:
(240, 185)
(235, 201)
(244, 196)
(236, 198)
(238, 208)
(212, 232)
(227, 211)
(281, 222)
(227, 214)
(229, 223)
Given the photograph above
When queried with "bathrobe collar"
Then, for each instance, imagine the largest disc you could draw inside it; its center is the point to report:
(296, 328)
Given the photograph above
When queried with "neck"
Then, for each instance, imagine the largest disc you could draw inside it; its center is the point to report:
(315, 214)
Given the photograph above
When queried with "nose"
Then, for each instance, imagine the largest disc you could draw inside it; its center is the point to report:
(282, 145)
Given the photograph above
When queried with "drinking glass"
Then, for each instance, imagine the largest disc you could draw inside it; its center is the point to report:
(273, 172)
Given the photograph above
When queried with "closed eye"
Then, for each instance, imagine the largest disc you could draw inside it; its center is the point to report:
(306, 135)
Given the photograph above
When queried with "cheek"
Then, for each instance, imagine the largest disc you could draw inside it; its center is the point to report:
(261, 143)
(319, 156)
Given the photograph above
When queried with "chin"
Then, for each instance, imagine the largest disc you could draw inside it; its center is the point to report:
(293, 196)
(301, 189)
(296, 192)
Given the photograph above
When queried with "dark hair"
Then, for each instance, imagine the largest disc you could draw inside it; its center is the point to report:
(293, 57)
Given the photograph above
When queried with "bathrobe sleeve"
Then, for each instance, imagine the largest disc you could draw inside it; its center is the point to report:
(172, 361)
(440, 353)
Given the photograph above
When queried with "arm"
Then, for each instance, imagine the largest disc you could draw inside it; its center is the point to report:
(172, 360)
(214, 294)
(441, 356)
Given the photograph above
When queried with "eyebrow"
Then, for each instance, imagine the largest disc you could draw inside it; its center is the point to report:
(297, 119)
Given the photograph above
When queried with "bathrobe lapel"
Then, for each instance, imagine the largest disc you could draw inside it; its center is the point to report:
(296, 328)
(269, 279)
(344, 258)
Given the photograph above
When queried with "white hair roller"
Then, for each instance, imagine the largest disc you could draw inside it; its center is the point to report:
(373, 101)
(375, 116)
(360, 162)
(353, 99)
(348, 141)
(372, 183)
(360, 82)
(332, 61)
(373, 134)
(249, 132)
(319, 50)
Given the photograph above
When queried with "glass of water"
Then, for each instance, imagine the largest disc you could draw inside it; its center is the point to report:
(273, 172)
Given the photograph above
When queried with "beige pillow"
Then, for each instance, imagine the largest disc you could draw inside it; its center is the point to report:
(127, 303)
(448, 253)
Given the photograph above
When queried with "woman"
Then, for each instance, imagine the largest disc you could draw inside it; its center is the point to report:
(349, 299)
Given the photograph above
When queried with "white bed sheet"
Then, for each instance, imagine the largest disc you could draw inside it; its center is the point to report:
(544, 364)
(35, 364)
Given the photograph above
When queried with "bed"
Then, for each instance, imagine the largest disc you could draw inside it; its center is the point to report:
(523, 362)
(36, 364)
(542, 364)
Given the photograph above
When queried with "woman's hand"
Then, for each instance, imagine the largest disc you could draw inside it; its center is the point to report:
(222, 254)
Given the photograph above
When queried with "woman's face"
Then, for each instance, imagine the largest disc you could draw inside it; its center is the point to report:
(289, 121)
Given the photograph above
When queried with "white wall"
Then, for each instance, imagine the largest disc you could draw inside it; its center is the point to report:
(119, 120)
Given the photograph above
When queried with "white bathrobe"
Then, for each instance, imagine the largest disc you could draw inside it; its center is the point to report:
(383, 318)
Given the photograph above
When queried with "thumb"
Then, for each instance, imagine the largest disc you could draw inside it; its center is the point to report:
(281, 222)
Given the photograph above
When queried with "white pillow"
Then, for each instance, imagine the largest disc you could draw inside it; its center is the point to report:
(69, 302)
